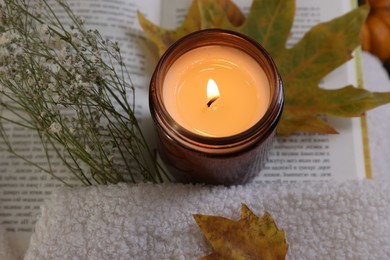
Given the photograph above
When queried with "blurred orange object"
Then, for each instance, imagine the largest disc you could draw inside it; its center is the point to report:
(376, 30)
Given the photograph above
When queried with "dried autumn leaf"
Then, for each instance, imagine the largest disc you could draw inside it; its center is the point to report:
(163, 38)
(251, 237)
(322, 49)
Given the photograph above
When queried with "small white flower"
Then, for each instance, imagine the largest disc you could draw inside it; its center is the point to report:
(8, 37)
(4, 53)
(94, 59)
(78, 78)
(62, 54)
(30, 81)
(55, 68)
(4, 39)
(80, 20)
(72, 130)
(55, 128)
(88, 149)
(76, 41)
(51, 87)
(18, 51)
(43, 29)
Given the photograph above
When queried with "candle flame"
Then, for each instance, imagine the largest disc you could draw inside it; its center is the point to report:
(212, 89)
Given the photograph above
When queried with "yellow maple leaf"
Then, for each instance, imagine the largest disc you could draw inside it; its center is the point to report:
(195, 19)
(251, 237)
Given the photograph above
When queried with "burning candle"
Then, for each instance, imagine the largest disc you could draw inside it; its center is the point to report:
(216, 91)
(216, 98)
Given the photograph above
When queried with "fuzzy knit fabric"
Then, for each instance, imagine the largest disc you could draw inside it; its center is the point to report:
(322, 220)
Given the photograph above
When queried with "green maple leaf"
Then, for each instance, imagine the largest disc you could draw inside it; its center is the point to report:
(251, 237)
(322, 49)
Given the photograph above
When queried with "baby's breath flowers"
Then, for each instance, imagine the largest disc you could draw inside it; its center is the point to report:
(70, 86)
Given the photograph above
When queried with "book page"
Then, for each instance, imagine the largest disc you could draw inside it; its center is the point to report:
(303, 156)
(23, 188)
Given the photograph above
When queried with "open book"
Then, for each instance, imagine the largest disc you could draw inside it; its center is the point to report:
(297, 158)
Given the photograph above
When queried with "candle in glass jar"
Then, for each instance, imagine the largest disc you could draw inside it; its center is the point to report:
(216, 98)
(216, 91)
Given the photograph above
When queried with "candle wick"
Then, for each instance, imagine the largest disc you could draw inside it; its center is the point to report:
(212, 101)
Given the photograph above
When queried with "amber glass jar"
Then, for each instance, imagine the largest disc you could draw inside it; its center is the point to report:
(215, 160)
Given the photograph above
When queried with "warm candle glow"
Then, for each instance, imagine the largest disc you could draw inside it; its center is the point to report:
(216, 91)
(212, 92)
